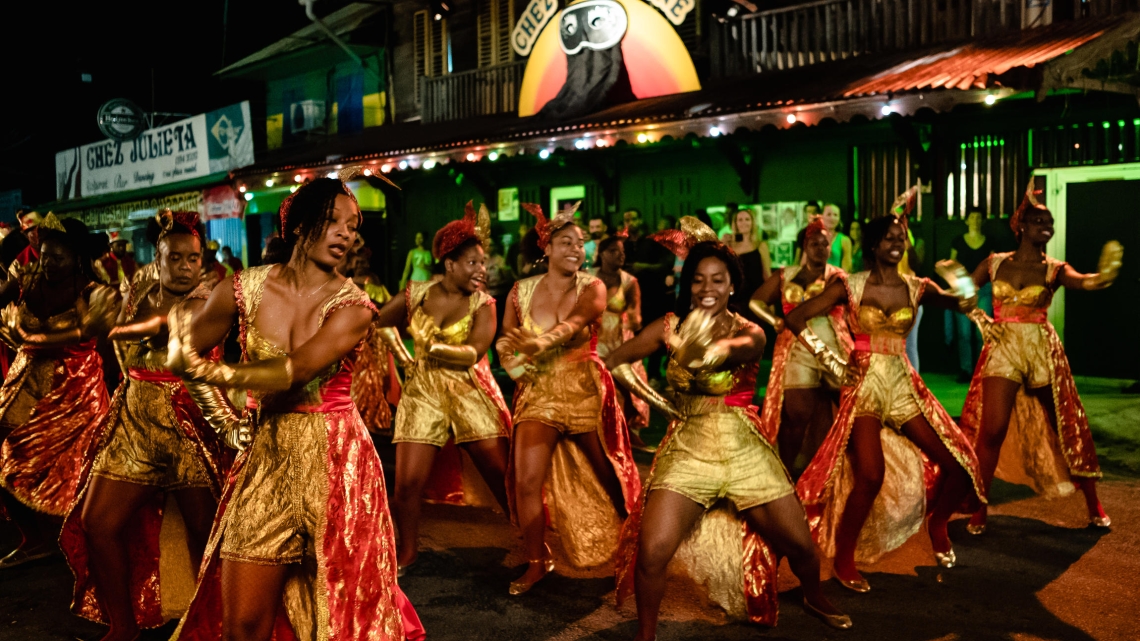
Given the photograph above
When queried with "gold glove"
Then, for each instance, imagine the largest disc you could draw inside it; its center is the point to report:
(391, 339)
(960, 282)
(831, 361)
(10, 326)
(102, 310)
(138, 331)
(625, 375)
(1108, 267)
(274, 374)
(52, 339)
(552, 338)
(693, 342)
(518, 366)
(764, 313)
(991, 331)
(422, 329)
(233, 430)
(454, 355)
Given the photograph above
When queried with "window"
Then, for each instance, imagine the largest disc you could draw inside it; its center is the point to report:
(431, 49)
(493, 32)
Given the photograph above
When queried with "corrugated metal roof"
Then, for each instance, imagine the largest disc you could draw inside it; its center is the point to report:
(974, 65)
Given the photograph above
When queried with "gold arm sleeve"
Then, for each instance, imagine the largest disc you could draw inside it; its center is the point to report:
(454, 355)
(391, 339)
(764, 313)
(554, 337)
(516, 365)
(1108, 267)
(233, 430)
(824, 354)
(273, 375)
(629, 379)
(49, 339)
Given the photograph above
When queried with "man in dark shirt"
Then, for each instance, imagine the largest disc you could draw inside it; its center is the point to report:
(811, 212)
(652, 263)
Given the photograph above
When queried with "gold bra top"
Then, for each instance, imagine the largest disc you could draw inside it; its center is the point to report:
(454, 334)
(1031, 296)
(795, 295)
(616, 303)
(873, 320)
(65, 320)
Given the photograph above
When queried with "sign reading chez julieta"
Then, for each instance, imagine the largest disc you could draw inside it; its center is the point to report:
(198, 146)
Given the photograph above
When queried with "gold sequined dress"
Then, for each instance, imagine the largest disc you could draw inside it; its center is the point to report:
(617, 328)
(888, 389)
(154, 434)
(1030, 353)
(309, 493)
(718, 457)
(51, 404)
(574, 393)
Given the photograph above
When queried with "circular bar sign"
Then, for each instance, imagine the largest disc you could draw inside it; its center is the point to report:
(121, 120)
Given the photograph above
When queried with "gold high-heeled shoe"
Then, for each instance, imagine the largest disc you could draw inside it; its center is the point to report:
(859, 585)
(1100, 521)
(522, 587)
(837, 621)
(946, 559)
(980, 528)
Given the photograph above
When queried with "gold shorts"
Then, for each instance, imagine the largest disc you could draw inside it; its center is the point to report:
(146, 445)
(803, 371)
(438, 403)
(886, 392)
(1021, 355)
(564, 394)
(278, 507)
(718, 455)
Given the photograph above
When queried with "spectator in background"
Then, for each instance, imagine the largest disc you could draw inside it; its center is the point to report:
(531, 259)
(276, 251)
(969, 249)
(666, 222)
(212, 271)
(652, 264)
(417, 268)
(750, 249)
(514, 250)
(500, 277)
(811, 212)
(727, 230)
(856, 231)
(597, 232)
(117, 264)
(840, 243)
(30, 227)
(233, 263)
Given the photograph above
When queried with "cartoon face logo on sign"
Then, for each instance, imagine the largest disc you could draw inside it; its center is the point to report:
(599, 53)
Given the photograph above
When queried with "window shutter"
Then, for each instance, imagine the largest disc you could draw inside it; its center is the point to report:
(493, 32)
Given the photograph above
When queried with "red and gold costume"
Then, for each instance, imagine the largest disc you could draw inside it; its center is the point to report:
(1030, 353)
(155, 435)
(375, 384)
(114, 270)
(617, 328)
(793, 366)
(571, 391)
(717, 451)
(307, 492)
(52, 401)
(888, 389)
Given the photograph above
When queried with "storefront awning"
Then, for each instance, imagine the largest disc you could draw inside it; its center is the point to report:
(122, 209)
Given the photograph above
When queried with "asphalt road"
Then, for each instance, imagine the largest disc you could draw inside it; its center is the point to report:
(1038, 574)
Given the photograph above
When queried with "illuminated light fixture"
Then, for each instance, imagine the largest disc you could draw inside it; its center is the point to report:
(471, 156)
(385, 168)
(332, 174)
(544, 154)
(715, 131)
(601, 142)
(403, 165)
(493, 156)
(990, 99)
(367, 172)
(293, 189)
(298, 178)
(582, 144)
(269, 183)
(642, 137)
(791, 119)
(429, 163)
(248, 196)
(886, 110)
(241, 188)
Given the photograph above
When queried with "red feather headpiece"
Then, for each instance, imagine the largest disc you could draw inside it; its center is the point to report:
(167, 219)
(814, 227)
(902, 207)
(680, 241)
(343, 176)
(457, 232)
(547, 227)
(1028, 204)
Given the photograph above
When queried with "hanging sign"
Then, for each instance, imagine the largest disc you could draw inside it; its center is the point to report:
(208, 143)
(537, 14)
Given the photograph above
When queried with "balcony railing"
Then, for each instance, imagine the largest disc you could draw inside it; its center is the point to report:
(828, 30)
(480, 92)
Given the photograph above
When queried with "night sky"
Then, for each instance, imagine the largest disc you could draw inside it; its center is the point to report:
(47, 46)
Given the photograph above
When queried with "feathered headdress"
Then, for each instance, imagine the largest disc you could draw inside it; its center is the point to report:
(51, 222)
(1028, 204)
(457, 232)
(545, 228)
(167, 219)
(680, 241)
(903, 205)
(343, 176)
(814, 227)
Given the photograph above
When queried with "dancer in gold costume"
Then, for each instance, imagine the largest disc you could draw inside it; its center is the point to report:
(450, 393)
(152, 445)
(54, 396)
(621, 321)
(570, 436)
(801, 391)
(1022, 412)
(302, 541)
(713, 450)
(859, 458)
(375, 383)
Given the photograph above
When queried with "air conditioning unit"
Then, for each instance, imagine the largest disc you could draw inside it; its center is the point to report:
(306, 115)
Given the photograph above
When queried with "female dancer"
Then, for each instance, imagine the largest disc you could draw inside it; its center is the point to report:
(801, 392)
(153, 440)
(54, 395)
(450, 392)
(1047, 442)
(620, 321)
(885, 391)
(417, 268)
(713, 450)
(303, 522)
(375, 384)
(568, 423)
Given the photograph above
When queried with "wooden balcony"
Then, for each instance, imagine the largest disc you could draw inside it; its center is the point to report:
(468, 94)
